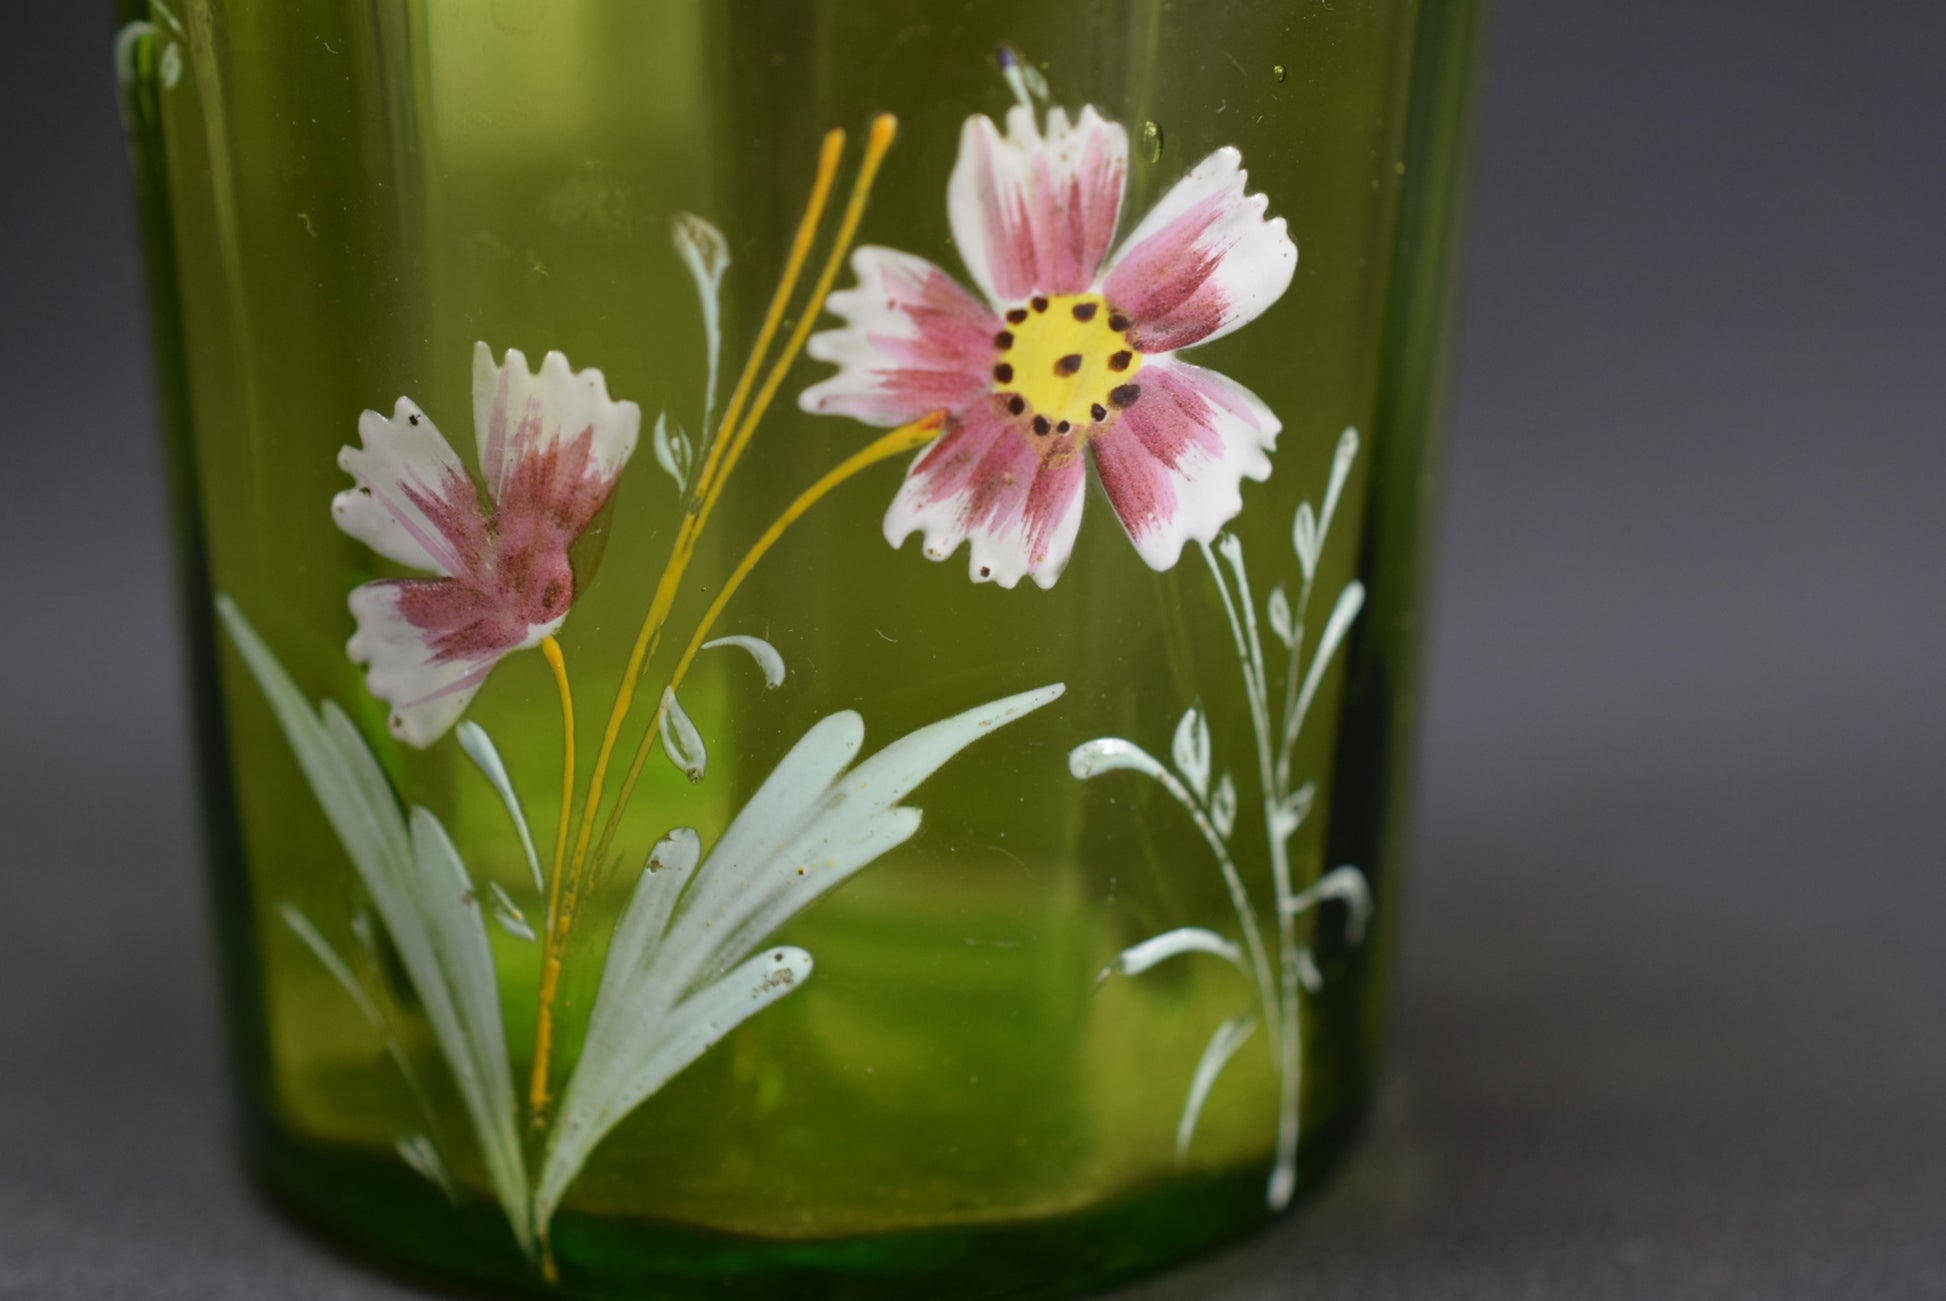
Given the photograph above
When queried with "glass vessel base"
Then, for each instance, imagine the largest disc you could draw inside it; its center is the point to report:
(378, 1210)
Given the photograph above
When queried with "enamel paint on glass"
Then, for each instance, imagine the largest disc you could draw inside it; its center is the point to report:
(651, 869)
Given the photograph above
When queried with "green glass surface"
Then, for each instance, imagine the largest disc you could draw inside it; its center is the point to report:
(341, 198)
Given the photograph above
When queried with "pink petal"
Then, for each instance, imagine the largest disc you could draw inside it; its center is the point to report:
(413, 503)
(1203, 262)
(1173, 462)
(427, 645)
(914, 342)
(1014, 495)
(517, 415)
(1034, 214)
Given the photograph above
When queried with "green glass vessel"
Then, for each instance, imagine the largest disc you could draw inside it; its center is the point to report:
(802, 613)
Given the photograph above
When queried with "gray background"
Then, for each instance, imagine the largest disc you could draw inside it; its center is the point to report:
(1671, 1019)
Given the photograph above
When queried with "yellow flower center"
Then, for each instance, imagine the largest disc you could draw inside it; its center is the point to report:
(1063, 363)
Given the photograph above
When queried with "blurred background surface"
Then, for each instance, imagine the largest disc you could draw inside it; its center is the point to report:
(1672, 1015)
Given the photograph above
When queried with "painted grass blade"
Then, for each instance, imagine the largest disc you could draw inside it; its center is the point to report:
(1217, 1053)
(684, 967)
(485, 755)
(759, 650)
(1138, 958)
(425, 900)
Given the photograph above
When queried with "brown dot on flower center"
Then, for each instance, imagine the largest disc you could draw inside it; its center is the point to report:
(1040, 425)
(1124, 395)
(1099, 412)
(1117, 322)
(1016, 403)
(1058, 354)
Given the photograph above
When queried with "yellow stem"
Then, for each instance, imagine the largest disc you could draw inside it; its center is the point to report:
(550, 962)
(665, 594)
(902, 439)
(807, 229)
(884, 128)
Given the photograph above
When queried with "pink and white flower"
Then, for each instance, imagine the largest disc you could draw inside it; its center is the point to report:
(1068, 349)
(551, 446)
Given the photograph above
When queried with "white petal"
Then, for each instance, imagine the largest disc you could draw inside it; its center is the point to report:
(414, 502)
(1203, 262)
(913, 342)
(1032, 213)
(428, 693)
(518, 414)
(1173, 463)
(1014, 498)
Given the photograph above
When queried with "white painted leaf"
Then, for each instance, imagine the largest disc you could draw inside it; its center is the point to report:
(676, 852)
(1190, 749)
(1223, 806)
(320, 948)
(1308, 974)
(1350, 601)
(480, 749)
(761, 651)
(132, 42)
(1022, 77)
(707, 255)
(1113, 754)
(1138, 958)
(421, 892)
(680, 738)
(1277, 610)
(417, 1151)
(1304, 540)
(1222, 1046)
(690, 957)
(672, 451)
(1346, 885)
(457, 955)
(1250, 641)
(657, 889)
(1341, 461)
(361, 927)
(508, 914)
(1291, 811)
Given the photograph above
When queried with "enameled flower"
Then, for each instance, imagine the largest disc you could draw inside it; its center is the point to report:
(551, 447)
(1072, 349)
